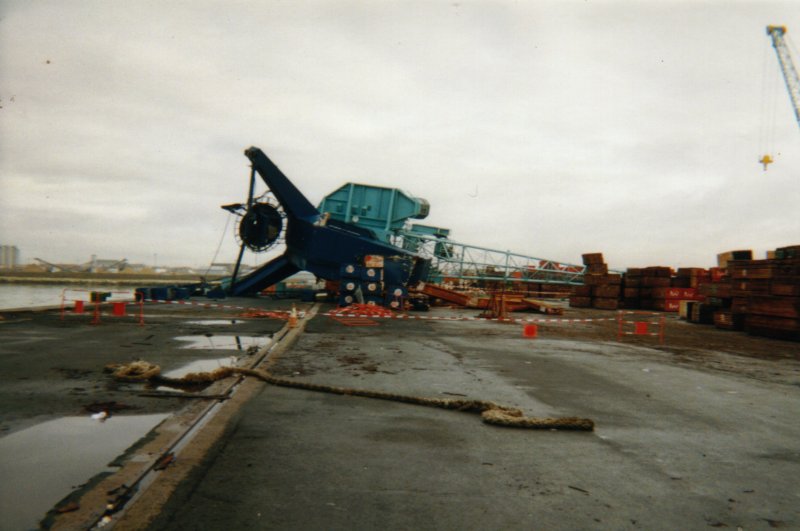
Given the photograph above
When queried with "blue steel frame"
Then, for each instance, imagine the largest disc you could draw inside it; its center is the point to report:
(313, 242)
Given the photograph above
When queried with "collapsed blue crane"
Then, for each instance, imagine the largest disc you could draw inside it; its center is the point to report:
(314, 242)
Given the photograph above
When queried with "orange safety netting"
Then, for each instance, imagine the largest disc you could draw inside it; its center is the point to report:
(265, 314)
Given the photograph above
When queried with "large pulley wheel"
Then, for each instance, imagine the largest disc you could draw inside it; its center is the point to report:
(260, 227)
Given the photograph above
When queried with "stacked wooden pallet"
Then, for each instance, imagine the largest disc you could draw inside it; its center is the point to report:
(670, 299)
(727, 292)
(650, 288)
(601, 289)
(581, 296)
(773, 302)
(546, 291)
(656, 288)
(717, 305)
(654, 281)
(725, 306)
(632, 288)
(606, 291)
(759, 296)
(691, 277)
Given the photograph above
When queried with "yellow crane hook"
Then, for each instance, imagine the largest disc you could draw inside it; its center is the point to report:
(765, 160)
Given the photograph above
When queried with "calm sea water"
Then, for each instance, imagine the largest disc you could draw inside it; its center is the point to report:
(32, 295)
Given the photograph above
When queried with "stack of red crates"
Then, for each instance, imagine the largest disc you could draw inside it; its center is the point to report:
(656, 288)
(759, 296)
(773, 299)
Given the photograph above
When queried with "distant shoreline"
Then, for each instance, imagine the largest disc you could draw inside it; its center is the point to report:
(127, 279)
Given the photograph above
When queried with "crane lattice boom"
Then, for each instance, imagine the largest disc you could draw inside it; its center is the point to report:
(787, 66)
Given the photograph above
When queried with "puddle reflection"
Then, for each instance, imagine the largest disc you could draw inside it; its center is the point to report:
(201, 366)
(194, 366)
(224, 342)
(41, 465)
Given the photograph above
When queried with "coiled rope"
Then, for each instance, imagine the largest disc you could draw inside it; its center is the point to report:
(490, 412)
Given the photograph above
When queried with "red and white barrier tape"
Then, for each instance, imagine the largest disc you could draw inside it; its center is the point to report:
(397, 316)
(431, 318)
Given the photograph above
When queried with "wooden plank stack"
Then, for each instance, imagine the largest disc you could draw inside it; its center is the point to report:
(726, 295)
(545, 291)
(606, 292)
(759, 296)
(656, 288)
(773, 299)
(632, 288)
(655, 279)
(717, 306)
(724, 258)
(691, 277)
(650, 288)
(601, 289)
(669, 299)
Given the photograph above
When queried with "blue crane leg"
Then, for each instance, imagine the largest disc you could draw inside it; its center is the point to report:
(293, 201)
(270, 273)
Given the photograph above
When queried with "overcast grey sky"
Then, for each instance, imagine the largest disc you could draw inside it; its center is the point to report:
(630, 128)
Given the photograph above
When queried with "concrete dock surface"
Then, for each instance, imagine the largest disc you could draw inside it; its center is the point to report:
(699, 432)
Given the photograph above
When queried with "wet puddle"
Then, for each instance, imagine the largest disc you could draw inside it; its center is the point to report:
(201, 366)
(41, 465)
(194, 366)
(224, 342)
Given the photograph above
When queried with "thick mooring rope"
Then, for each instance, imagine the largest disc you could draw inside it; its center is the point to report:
(490, 412)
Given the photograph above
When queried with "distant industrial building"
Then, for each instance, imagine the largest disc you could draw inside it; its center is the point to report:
(219, 268)
(9, 257)
(96, 265)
